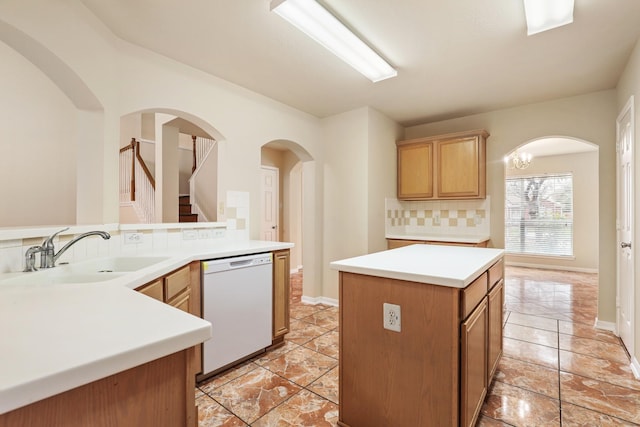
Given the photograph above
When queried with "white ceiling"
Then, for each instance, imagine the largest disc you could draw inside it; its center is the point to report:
(454, 58)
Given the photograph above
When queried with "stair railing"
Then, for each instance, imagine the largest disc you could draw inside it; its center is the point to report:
(136, 182)
(201, 147)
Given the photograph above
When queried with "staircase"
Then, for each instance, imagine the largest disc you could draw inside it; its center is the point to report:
(184, 210)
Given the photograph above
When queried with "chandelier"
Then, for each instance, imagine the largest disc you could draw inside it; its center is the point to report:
(518, 160)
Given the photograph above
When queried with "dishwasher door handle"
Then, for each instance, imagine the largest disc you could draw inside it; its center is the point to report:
(241, 263)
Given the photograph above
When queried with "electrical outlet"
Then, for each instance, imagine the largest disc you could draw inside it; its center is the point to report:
(391, 315)
(218, 233)
(205, 234)
(436, 219)
(189, 234)
(132, 238)
(477, 219)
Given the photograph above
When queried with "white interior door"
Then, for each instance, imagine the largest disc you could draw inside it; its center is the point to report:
(269, 194)
(625, 215)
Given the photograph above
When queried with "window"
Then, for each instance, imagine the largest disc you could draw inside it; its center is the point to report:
(539, 215)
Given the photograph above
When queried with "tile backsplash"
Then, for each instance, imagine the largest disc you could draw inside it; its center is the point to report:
(441, 217)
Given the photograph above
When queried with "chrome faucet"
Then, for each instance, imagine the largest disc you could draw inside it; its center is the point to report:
(48, 257)
(30, 258)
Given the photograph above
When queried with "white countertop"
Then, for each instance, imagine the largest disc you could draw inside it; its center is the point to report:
(453, 238)
(453, 266)
(56, 337)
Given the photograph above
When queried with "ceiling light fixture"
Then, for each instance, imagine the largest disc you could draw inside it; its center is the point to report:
(315, 21)
(543, 15)
(518, 160)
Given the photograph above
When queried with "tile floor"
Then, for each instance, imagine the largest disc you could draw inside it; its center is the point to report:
(557, 370)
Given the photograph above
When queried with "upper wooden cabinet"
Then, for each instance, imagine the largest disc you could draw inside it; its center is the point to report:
(451, 166)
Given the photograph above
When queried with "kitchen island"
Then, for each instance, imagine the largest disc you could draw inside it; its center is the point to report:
(101, 353)
(428, 359)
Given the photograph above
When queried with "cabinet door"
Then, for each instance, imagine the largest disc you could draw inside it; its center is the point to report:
(494, 342)
(473, 365)
(461, 168)
(154, 290)
(415, 171)
(281, 284)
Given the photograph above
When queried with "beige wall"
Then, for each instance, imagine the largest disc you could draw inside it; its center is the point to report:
(589, 118)
(629, 85)
(360, 171)
(584, 168)
(37, 146)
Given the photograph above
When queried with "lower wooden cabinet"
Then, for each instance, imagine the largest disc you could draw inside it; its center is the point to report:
(281, 289)
(181, 289)
(473, 364)
(495, 303)
(151, 394)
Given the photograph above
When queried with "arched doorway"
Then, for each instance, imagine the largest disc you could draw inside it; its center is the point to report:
(551, 219)
(168, 167)
(288, 159)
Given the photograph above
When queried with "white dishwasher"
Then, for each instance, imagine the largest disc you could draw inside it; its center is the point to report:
(237, 300)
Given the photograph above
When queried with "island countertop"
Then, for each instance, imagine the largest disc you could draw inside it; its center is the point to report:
(453, 266)
(59, 336)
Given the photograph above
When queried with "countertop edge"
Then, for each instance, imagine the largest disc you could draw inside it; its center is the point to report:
(358, 265)
(440, 238)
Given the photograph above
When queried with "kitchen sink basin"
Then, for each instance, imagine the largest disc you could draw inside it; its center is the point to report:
(118, 264)
(55, 277)
(89, 271)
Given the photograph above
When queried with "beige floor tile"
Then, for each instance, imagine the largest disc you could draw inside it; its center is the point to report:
(575, 416)
(212, 414)
(533, 321)
(519, 407)
(305, 409)
(600, 396)
(326, 344)
(302, 365)
(254, 394)
(599, 369)
(532, 335)
(327, 385)
(528, 376)
(603, 350)
(532, 353)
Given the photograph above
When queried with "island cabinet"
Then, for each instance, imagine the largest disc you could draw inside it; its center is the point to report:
(437, 369)
(451, 166)
(281, 290)
(181, 289)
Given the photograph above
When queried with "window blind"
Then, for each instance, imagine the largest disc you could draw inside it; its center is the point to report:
(539, 215)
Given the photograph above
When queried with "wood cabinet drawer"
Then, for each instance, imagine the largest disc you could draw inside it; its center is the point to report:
(496, 273)
(177, 282)
(473, 294)
(153, 290)
(181, 302)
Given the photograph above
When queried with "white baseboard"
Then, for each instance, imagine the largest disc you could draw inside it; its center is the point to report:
(607, 326)
(551, 267)
(635, 367)
(320, 300)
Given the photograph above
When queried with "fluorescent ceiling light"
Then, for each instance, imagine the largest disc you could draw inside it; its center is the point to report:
(543, 15)
(315, 21)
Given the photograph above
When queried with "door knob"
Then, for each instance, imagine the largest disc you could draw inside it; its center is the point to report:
(625, 245)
